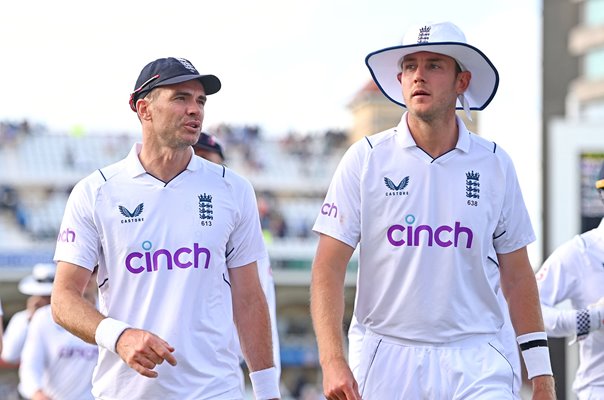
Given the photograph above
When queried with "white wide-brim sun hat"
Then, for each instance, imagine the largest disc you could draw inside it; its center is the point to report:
(39, 283)
(442, 38)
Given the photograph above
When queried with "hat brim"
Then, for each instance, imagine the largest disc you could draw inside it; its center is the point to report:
(211, 83)
(384, 67)
(31, 287)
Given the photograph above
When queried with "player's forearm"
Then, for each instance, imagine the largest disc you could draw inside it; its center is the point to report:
(253, 324)
(544, 387)
(525, 309)
(327, 297)
(75, 313)
(327, 311)
(520, 290)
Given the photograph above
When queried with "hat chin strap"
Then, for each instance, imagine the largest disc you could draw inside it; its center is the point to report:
(466, 106)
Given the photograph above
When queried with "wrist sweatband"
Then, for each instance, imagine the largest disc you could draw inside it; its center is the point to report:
(535, 354)
(265, 384)
(588, 320)
(596, 316)
(108, 332)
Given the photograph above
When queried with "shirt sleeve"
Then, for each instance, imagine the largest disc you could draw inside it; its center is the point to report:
(514, 229)
(78, 241)
(558, 280)
(14, 337)
(246, 243)
(340, 214)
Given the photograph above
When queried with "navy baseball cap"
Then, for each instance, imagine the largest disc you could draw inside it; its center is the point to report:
(168, 71)
(210, 143)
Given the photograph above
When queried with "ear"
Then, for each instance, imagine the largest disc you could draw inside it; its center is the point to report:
(143, 109)
(399, 76)
(463, 81)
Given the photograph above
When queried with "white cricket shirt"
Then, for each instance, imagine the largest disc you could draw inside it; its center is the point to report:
(163, 250)
(55, 361)
(575, 272)
(14, 336)
(429, 232)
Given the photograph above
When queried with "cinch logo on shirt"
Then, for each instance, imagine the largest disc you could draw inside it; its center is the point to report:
(331, 210)
(88, 353)
(66, 236)
(442, 236)
(183, 258)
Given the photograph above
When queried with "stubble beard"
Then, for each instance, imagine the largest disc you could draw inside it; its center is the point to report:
(433, 113)
(178, 140)
(424, 116)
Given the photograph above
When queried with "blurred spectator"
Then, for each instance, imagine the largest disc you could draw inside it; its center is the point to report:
(244, 139)
(10, 131)
(56, 365)
(8, 198)
(69, 157)
(271, 219)
(334, 139)
(38, 286)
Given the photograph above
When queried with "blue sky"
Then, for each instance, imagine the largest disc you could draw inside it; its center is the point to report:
(285, 65)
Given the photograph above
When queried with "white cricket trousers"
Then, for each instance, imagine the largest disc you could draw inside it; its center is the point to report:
(396, 369)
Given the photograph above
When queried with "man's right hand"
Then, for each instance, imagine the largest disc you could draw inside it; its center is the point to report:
(143, 350)
(544, 388)
(338, 381)
(40, 395)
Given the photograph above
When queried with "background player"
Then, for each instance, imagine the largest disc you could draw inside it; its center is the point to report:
(38, 286)
(54, 363)
(574, 272)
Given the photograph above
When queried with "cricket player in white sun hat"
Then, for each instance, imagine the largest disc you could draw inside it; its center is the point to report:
(38, 286)
(442, 228)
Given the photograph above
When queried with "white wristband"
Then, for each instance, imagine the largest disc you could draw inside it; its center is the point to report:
(265, 384)
(535, 354)
(108, 332)
(596, 316)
